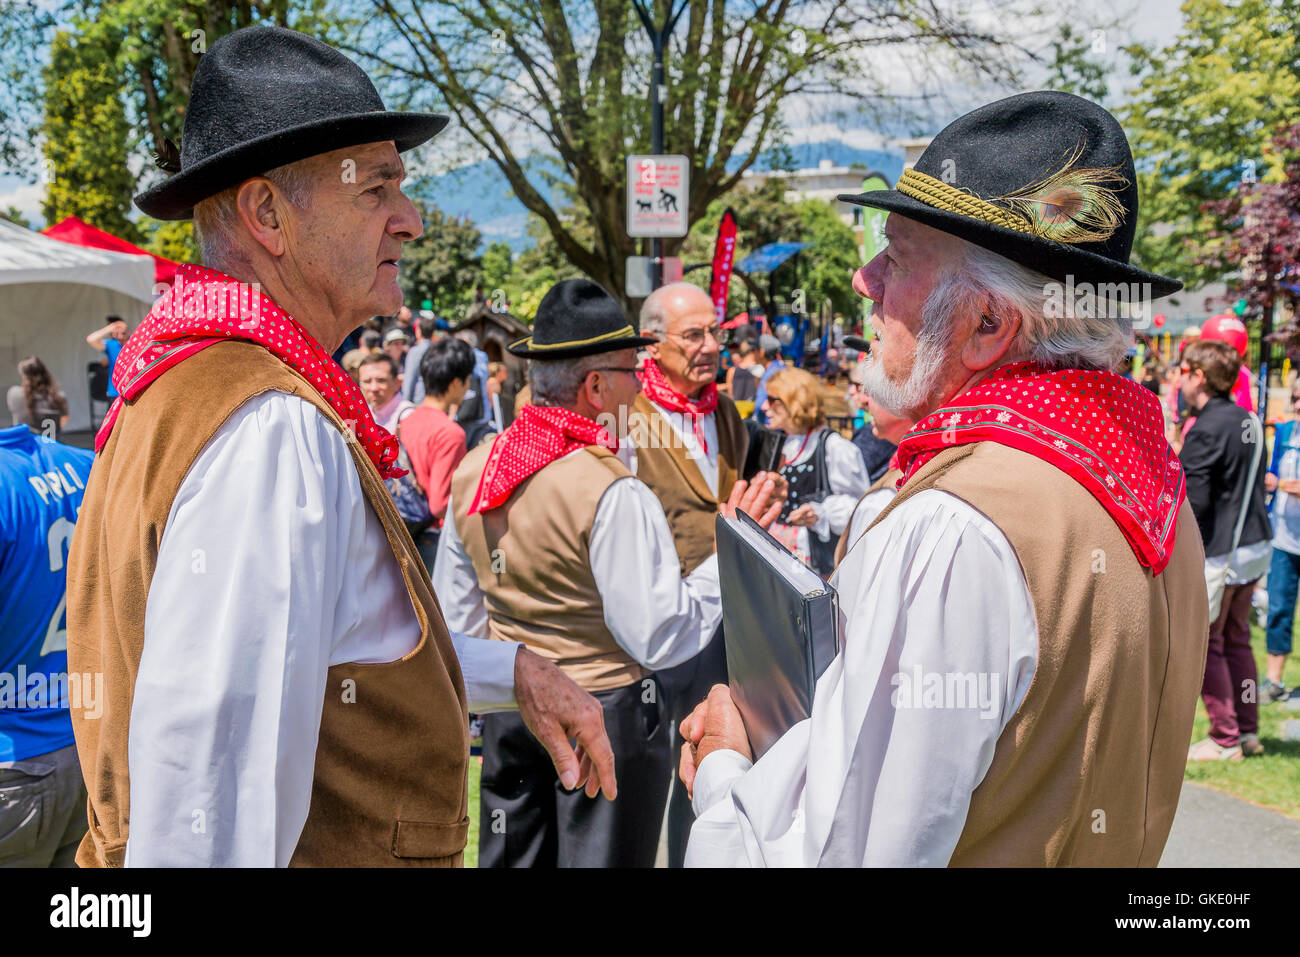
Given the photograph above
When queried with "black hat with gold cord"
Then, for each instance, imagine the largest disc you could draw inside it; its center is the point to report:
(1045, 179)
(578, 318)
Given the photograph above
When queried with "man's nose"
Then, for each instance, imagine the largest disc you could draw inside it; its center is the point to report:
(868, 282)
(406, 223)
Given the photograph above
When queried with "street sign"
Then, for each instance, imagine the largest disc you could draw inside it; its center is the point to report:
(658, 191)
(638, 276)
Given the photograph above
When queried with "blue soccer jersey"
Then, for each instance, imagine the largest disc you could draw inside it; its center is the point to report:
(42, 483)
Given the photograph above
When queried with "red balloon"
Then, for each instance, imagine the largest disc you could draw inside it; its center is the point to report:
(1159, 320)
(1229, 329)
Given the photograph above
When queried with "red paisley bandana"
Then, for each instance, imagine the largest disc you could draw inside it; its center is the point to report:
(205, 307)
(1104, 431)
(538, 436)
(657, 390)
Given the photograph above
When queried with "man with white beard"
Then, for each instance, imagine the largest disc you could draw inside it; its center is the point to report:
(1026, 621)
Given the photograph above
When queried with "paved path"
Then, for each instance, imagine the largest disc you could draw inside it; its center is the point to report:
(1214, 829)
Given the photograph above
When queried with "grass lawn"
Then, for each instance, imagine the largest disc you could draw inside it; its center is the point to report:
(1273, 778)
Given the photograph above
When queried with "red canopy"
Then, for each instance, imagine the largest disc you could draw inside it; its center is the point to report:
(80, 233)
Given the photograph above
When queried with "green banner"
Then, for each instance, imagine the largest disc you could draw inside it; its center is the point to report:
(873, 234)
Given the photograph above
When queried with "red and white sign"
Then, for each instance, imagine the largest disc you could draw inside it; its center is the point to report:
(658, 193)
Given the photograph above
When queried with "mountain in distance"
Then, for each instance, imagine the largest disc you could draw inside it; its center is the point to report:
(480, 192)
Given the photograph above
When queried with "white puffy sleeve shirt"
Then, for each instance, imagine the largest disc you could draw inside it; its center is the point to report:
(883, 771)
(272, 568)
(658, 617)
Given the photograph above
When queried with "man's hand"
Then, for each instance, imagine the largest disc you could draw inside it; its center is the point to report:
(804, 516)
(756, 500)
(1270, 482)
(555, 709)
(1290, 486)
(714, 725)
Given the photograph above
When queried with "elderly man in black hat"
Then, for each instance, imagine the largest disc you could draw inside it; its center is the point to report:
(554, 543)
(1026, 621)
(281, 685)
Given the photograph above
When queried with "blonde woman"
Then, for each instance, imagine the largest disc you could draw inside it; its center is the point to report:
(826, 472)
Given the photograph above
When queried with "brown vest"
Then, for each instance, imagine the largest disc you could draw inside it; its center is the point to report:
(662, 463)
(393, 749)
(1089, 769)
(532, 559)
(888, 480)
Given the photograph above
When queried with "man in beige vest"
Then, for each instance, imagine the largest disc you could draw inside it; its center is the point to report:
(1026, 622)
(688, 443)
(280, 685)
(556, 544)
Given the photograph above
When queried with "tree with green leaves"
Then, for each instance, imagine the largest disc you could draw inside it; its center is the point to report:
(115, 89)
(763, 216)
(443, 264)
(1199, 121)
(86, 134)
(569, 80)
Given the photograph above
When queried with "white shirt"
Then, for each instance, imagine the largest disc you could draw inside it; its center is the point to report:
(655, 615)
(706, 462)
(848, 479)
(869, 506)
(272, 568)
(870, 778)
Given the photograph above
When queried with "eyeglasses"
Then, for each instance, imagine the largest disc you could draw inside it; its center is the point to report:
(634, 370)
(694, 338)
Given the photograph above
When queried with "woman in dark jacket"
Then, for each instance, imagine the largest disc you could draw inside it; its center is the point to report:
(1220, 453)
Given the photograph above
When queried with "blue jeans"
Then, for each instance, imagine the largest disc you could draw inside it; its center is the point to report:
(1283, 579)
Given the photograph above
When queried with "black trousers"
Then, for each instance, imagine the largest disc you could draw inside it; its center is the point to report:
(528, 819)
(686, 686)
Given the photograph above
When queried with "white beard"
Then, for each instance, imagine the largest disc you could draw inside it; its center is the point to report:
(908, 400)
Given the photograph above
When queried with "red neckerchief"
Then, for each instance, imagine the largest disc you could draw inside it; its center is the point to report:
(1104, 431)
(657, 390)
(204, 307)
(538, 436)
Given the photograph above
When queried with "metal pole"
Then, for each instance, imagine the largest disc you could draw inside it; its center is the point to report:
(657, 139)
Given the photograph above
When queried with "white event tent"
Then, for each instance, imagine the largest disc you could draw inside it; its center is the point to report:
(52, 295)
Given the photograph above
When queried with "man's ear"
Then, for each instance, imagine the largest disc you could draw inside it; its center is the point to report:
(653, 349)
(993, 333)
(259, 210)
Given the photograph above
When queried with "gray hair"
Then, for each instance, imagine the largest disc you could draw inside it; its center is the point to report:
(556, 381)
(215, 218)
(654, 315)
(1095, 336)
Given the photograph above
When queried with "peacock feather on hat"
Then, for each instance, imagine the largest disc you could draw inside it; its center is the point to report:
(1072, 205)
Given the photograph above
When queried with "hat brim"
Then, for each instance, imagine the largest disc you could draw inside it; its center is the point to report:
(174, 197)
(1052, 259)
(525, 349)
(854, 342)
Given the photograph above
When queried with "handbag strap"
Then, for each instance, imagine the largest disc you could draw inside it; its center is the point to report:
(1258, 436)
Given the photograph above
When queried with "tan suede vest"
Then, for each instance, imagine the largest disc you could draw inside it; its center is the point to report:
(662, 463)
(888, 480)
(393, 748)
(1089, 769)
(532, 558)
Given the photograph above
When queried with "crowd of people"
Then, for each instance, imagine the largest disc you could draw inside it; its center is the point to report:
(309, 549)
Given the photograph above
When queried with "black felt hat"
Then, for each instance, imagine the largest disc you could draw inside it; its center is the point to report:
(577, 318)
(1045, 179)
(266, 96)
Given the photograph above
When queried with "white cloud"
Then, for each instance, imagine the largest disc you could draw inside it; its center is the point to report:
(27, 197)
